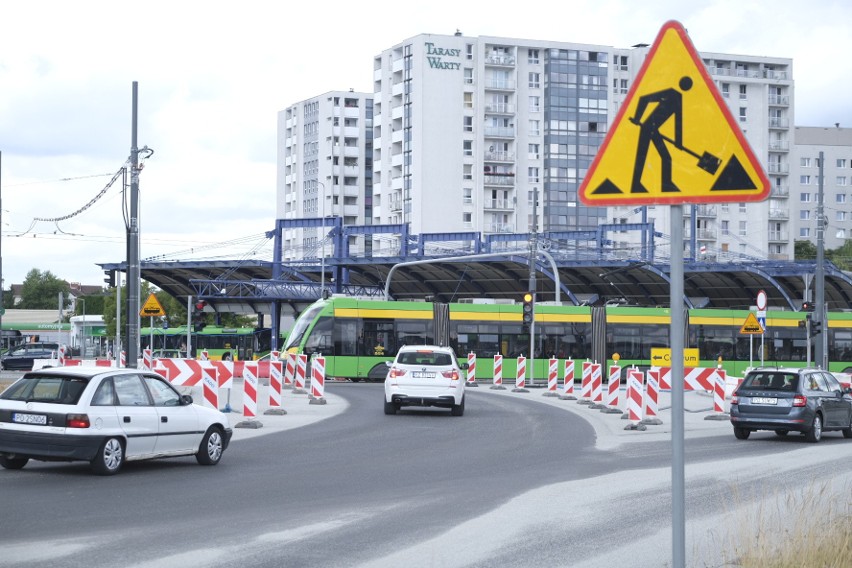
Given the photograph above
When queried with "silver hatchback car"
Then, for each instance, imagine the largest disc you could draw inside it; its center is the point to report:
(425, 375)
(810, 401)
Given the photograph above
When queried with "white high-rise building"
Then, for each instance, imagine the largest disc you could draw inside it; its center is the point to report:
(325, 166)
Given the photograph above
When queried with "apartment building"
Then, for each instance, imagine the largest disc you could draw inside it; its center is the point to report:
(494, 135)
(325, 166)
(835, 143)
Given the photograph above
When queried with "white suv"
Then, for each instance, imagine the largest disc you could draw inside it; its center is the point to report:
(425, 375)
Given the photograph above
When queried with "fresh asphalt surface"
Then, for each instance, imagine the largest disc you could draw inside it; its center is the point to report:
(519, 480)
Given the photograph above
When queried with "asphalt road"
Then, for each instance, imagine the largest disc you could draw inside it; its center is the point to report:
(513, 482)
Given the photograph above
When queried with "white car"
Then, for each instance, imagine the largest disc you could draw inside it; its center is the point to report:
(425, 375)
(106, 417)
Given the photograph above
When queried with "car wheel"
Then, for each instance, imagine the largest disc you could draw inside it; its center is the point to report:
(356, 379)
(211, 447)
(13, 463)
(741, 433)
(781, 432)
(378, 374)
(815, 433)
(458, 409)
(390, 408)
(110, 457)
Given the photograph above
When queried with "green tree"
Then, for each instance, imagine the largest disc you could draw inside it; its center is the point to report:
(40, 291)
(804, 250)
(841, 256)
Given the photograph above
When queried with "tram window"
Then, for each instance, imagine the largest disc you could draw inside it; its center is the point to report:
(320, 339)
(346, 337)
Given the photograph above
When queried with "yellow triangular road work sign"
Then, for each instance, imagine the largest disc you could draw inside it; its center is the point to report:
(152, 307)
(751, 326)
(674, 139)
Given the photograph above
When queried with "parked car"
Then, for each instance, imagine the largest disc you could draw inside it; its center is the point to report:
(21, 358)
(810, 401)
(106, 417)
(425, 375)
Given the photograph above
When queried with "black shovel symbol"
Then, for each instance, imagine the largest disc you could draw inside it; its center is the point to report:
(706, 161)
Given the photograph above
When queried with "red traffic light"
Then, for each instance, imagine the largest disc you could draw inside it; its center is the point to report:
(199, 305)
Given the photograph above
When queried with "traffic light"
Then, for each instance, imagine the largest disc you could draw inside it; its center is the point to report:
(808, 306)
(110, 278)
(529, 311)
(816, 328)
(198, 315)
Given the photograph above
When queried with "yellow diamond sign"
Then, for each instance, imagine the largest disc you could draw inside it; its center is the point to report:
(674, 139)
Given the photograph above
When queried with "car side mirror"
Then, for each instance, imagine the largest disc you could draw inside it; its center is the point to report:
(185, 399)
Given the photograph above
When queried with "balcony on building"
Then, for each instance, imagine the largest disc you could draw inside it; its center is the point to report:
(499, 108)
(497, 156)
(779, 146)
(493, 84)
(779, 192)
(500, 228)
(500, 60)
(706, 234)
(777, 168)
(779, 214)
(778, 122)
(498, 204)
(779, 100)
(700, 211)
(499, 131)
(778, 236)
(500, 180)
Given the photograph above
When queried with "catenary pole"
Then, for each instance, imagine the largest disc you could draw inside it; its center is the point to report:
(133, 269)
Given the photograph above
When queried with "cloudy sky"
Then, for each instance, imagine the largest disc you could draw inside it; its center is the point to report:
(213, 75)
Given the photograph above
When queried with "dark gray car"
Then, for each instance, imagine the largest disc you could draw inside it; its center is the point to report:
(810, 401)
(21, 358)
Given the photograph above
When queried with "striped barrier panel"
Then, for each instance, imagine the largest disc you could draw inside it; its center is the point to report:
(122, 361)
(275, 384)
(498, 373)
(613, 385)
(586, 383)
(204, 355)
(521, 377)
(719, 391)
(318, 380)
(210, 387)
(62, 358)
(250, 390)
(597, 384)
(634, 396)
(652, 394)
(147, 360)
(225, 373)
(694, 378)
(289, 370)
(568, 381)
(552, 376)
(471, 369)
(301, 370)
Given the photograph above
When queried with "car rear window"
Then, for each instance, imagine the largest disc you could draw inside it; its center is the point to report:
(428, 358)
(771, 380)
(46, 388)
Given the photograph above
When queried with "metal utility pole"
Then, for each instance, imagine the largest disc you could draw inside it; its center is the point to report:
(532, 284)
(2, 309)
(133, 268)
(820, 316)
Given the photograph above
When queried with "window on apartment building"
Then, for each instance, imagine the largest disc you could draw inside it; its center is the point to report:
(623, 86)
(841, 180)
(725, 227)
(840, 198)
(817, 163)
(469, 50)
(468, 75)
(533, 56)
(743, 116)
(535, 127)
(805, 162)
(468, 100)
(742, 207)
(535, 80)
(467, 195)
(805, 214)
(726, 90)
(467, 147)
(841, 162)
(533, 151)
(468, 123)
(467, 173)
(840, 234)
(841, 215)
(743, 91)
(725, 207)
(535, 103)
(620, 62)
(804, 232)
(805, 180)
(532, 175)
(467, 219)
(743, 226)
(805, 197)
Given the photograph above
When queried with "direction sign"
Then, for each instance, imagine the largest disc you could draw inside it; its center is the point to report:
(751, 326)
(662, 357)
(152, 307)
(674, 139)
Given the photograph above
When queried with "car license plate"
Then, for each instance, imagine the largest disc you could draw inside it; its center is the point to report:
(422, 375)
(763, 400)
(21, 418)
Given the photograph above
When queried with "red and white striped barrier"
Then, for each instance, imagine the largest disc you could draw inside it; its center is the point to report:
(301, 370)
(210, 387)
(597, 385)
(634, 400)
(652, 396)
(61, 356)
(719, 388)
(552, 377)
(498, 373)
(521, 376)
(694, 378)
(147, 360)
(122, 360)
(163, 372)
(289, 370)
(471, 370)
(568, 381)
(204, 355)
(275, 384)
(612, 387)
(586, 384)
(318, 381)
(250, 390)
